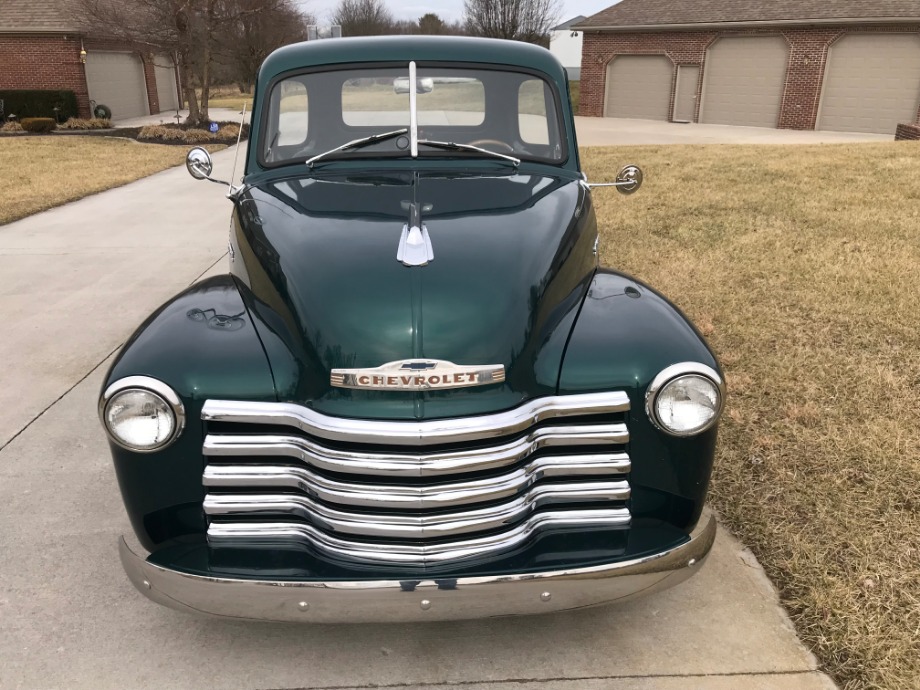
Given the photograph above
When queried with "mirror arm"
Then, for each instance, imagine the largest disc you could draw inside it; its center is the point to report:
(216, 181)
(628, 180)
(628, 183)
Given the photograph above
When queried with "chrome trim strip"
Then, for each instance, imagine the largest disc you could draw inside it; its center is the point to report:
(408, 496)
(145, 383)
(409, 433)
(415, 526)
(675, 371)
(392, 601)
(275, 533)
(413, 464)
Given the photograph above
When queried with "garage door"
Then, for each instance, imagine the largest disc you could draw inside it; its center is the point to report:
(117, 80)
(743, 81)
(639, 86)
(166, 82)
(872, 82)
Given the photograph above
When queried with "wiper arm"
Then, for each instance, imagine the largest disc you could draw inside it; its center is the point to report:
(359, 143)
(453, 146)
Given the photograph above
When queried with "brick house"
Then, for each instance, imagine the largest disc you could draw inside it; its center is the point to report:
(45, 46)
(849, 65)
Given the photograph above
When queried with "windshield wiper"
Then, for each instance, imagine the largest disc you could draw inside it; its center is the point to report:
(453, 146)
(359, 143)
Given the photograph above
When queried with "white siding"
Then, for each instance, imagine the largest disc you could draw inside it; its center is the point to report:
(567, 49)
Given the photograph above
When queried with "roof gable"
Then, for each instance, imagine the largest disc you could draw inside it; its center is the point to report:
(651, 13)
(569, 24)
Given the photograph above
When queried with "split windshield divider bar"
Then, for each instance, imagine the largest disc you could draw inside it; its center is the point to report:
(413, 109)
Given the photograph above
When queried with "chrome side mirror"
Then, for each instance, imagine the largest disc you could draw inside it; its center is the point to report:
(198, 163)
(628, 180)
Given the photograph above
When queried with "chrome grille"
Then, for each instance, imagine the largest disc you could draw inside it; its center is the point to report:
(414, 492)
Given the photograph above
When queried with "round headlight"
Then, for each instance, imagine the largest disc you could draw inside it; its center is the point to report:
(141, 414)
(685, 399)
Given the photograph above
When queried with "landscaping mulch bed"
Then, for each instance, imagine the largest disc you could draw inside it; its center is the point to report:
(169, 135)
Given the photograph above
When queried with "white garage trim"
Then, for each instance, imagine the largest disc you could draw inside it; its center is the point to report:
(743, 81)
(871, 83)
(116, 79)
(165, 71)
(639, 86)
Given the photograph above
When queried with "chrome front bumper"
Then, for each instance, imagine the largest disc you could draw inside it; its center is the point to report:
(429, 600)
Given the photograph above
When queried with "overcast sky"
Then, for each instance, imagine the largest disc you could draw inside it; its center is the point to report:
(450, 9)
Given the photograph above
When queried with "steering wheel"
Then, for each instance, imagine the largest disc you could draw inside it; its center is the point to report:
(483, 143)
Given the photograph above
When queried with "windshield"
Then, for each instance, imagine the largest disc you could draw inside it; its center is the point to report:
(504, 111)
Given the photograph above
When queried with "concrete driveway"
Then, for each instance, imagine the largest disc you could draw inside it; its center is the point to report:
(74, 283)
(609, 131)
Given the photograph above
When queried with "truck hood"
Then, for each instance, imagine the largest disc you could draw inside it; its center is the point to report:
(317, 257)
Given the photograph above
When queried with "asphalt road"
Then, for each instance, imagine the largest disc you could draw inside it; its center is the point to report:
(74, 283)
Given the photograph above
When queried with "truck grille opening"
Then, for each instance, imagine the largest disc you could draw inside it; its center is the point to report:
(424, 493)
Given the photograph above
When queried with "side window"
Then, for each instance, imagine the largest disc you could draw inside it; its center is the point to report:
(293, 113)
(533, 120)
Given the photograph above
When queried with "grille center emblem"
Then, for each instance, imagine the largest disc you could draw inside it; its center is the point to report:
(418, 375)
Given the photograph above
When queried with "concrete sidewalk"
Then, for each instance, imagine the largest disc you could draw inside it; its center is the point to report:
(74, 283)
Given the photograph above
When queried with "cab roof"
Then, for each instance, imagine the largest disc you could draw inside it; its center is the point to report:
(407, 48)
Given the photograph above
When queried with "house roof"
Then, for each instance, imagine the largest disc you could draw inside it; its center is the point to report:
(46, 16)
(569, 24)
(658, 14)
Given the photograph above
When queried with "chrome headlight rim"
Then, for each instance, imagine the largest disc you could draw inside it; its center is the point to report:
(144, 384)
(672, 373)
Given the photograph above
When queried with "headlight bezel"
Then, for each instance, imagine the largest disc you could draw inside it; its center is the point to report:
(672, 373)
(144, 384)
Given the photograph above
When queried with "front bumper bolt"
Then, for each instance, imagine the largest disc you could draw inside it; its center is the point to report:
(425, 604)
(147, 584)
(303, 606)
(546, 596)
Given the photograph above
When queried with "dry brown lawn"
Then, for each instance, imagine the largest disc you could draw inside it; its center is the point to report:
(37, 173)
(227, 97)
(802, 267)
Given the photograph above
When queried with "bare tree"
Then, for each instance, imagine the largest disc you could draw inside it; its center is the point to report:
(191, 30)
(363, 17)
(519, 20)
(253, 29)
(174, 26)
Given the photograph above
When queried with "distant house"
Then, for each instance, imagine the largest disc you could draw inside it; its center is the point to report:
(848, 65)
(565, 44)
(44, 46)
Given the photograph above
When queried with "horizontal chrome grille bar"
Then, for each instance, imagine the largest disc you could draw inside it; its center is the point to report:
(412, 433)
(413, 464)
(413, 496)
(413, 526)
(273, 533)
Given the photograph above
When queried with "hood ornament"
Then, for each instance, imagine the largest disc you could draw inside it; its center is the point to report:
(414, 243)
(414, 246)
(418, 375)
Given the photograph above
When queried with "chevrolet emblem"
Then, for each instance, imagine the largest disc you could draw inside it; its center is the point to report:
(418, 375)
